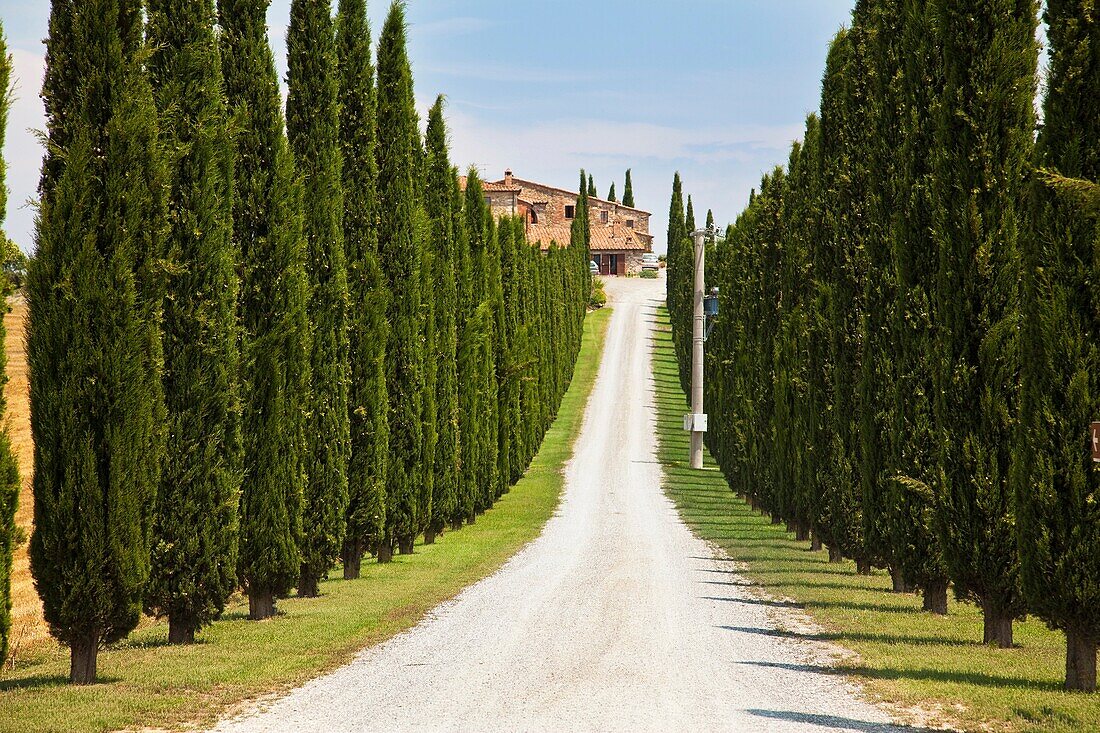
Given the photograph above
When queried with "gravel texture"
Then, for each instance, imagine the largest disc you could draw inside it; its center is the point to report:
(615, 619)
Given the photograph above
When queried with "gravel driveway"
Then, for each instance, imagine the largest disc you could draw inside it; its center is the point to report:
(616, 619)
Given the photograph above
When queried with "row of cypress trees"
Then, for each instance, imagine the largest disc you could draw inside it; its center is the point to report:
(245, 344)
(906, 363)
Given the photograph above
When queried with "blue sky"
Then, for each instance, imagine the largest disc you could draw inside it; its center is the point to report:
(716, 89)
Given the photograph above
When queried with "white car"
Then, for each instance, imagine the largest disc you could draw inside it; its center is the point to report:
(593, 268)
(650, 261)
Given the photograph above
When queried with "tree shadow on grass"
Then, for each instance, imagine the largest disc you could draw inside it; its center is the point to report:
(852, 636)
(835, 722)
(873, 607)
(926, 675)
(46, 681)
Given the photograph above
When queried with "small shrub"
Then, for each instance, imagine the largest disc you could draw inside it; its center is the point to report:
(648, 274)
(597, 298)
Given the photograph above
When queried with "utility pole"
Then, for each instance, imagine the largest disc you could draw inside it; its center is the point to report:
(697, 420)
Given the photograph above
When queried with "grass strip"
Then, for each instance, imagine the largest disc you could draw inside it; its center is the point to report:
(147, 683)
(925, 668)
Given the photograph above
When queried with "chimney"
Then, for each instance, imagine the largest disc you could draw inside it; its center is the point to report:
(508, 177)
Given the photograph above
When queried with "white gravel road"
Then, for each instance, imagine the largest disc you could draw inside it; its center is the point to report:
(615, 619)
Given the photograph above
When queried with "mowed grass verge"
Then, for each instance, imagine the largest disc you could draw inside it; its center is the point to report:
(147, 683)
(926, 668)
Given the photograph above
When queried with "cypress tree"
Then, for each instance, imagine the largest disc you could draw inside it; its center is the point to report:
(628, 191)
(611, 192)
(367, 327)
(467, 329)
(1056, 487)
(267, 234)
(914, 439)
(877, 31)
(313, 127)
(9, 470)
(592, 187)
(400, 257)
(689, 218)
(676, 243)
(983, 140)
(439, 202)
(93, 343)
(842, 113)
(429, 339)
(194, 553)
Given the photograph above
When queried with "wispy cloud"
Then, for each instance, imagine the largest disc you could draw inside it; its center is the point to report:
(500, 72)
(451, 27)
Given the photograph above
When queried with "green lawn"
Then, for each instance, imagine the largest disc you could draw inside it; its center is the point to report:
(905, 657)
(145, 682)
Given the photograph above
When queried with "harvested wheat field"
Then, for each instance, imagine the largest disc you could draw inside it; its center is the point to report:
(28, 627)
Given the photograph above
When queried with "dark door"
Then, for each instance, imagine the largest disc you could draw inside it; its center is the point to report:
(605, 264)
(613, 264)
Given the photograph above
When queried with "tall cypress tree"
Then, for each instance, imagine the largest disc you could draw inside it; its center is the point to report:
(676, 243)
(1056, 487)
(467, 330)
(877, 32)
(400, 257)
(983, 142)
(842, 112)
(628, 191)
(313, 127)
(267, 234)
(93, 340)
(9, 470)
(592, 187)
(194, 554)
(439, 202)
(611, 193)
(914, 445)
(367, 327)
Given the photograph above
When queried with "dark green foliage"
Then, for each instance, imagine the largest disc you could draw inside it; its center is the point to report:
(313, 128)
(194, 557)
(592, 187)
(680, 263)
(439, 203)
(93, 342)
(983, 141)
(367, 327)
(267, 234)
(400, 253)
(628, 191)
(844, 205)
(1057, 486)
(913, 450)
(9, 470)
(611, 192)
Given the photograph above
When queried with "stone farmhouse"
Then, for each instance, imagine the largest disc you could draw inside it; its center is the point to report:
(620, 234)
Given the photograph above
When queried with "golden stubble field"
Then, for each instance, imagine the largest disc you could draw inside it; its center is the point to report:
(28, 627)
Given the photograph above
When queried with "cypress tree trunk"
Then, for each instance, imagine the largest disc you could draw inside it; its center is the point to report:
(935, 596)
(82, 663)
(368, 330)
(194, 553)
(93, 343)
(997, 627)
(275, 343)
(400, 258)
(9, 470)
(1080, 661)
(313, 127)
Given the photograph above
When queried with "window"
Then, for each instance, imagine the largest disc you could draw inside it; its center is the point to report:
(630, 223)
(570, 211)
(603, 217)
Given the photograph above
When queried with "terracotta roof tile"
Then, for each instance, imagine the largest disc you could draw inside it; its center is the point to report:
(604, 237)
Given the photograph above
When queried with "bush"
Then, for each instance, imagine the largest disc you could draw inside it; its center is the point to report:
(597, 298)
(648, 274)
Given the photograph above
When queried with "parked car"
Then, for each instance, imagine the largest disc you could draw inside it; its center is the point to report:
(650, 261)
(593, 268)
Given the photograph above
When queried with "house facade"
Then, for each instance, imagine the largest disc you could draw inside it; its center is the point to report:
(620, 234)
